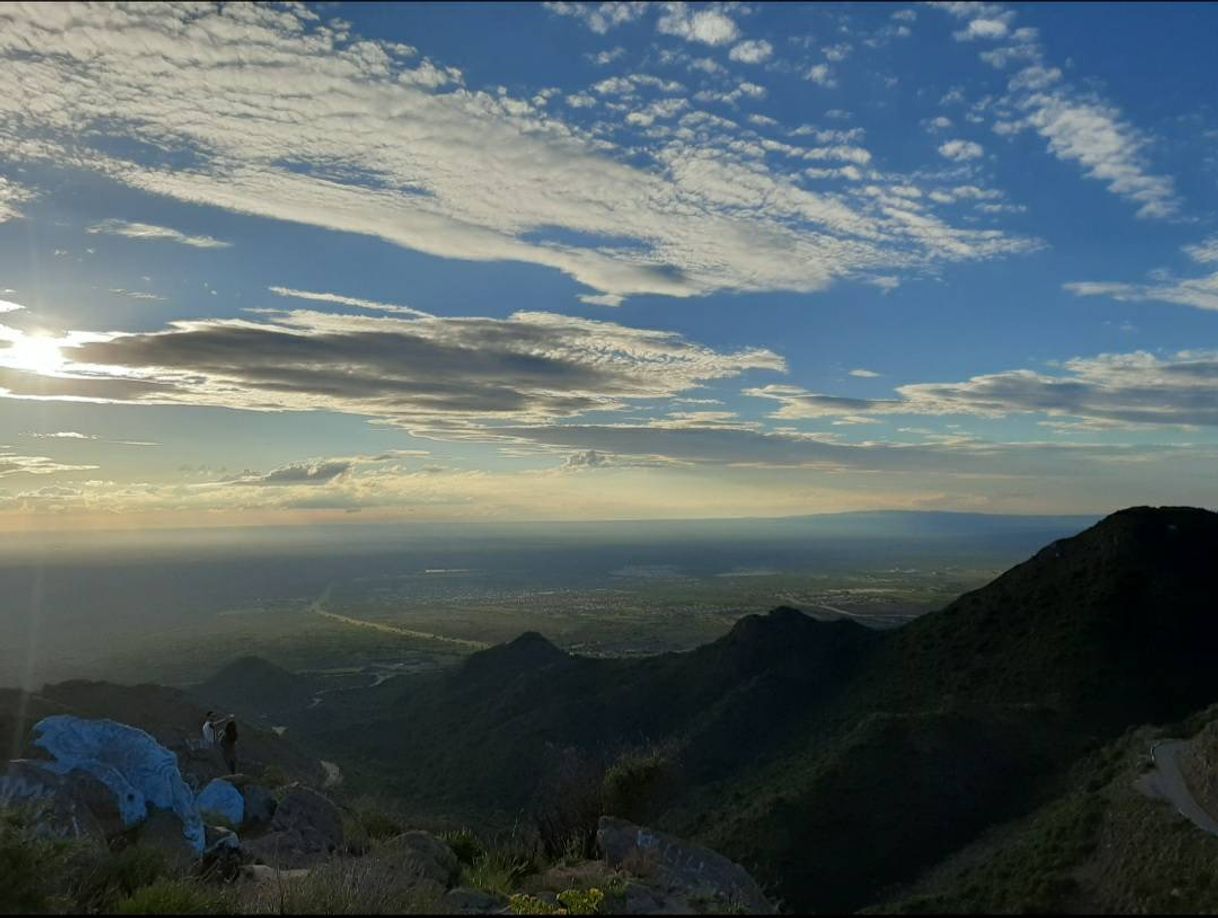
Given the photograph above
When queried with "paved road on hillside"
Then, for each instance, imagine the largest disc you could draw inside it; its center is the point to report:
(1167, 781)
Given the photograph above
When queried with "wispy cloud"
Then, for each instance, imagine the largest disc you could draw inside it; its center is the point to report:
(332, 157)
(1136, 388)
(426, 372)
(354, 302)
(1164, 287)
(158, 233)
(1080, 127)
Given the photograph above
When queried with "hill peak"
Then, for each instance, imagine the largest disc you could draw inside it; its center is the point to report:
(529, 651)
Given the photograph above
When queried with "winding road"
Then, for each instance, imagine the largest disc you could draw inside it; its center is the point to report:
(319, 607)
(1167, 782)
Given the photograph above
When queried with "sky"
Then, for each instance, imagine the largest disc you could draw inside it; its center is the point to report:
(290, 264)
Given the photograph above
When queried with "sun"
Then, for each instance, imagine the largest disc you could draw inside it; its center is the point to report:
(36, 353)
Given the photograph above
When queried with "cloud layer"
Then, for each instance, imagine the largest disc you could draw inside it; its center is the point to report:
(372, 140)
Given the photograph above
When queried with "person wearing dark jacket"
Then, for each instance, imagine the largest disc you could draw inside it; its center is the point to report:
(228, 746)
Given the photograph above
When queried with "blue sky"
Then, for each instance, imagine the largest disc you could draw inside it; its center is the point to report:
(268, 264)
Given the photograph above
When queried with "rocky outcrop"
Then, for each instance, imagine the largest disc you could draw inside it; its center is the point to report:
(260, 805)
(220, 800)
(63, 805)
(306, 827)
(677, 869)
(426, 857)
(141, 775)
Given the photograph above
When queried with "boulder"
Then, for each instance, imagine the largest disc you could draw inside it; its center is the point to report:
(677, 868)
(260, 805)
(59, 804)
(140, 773)
(426, 857)
(466, 901)
(220, 800)
(306, 827)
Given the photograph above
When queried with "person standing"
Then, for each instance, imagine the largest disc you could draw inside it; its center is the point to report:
(228, 746)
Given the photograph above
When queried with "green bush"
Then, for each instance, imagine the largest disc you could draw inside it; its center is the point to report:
(581, 901)
(497, 872)
(103, 878)
(636, 785)
(465, 845)
(175, 897)
(31, 866)
(568, 805)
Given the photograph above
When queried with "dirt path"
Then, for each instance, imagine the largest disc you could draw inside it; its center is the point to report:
(1167, 782)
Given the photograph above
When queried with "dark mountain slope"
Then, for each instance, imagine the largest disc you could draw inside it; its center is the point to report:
(1096, 633)
(254, 685)
(1115, 626)
(482, 734)
(833, 760)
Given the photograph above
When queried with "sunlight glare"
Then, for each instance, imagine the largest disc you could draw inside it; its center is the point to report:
(35, 353)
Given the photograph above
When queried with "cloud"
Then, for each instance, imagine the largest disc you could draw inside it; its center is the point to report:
(1079, 127)
(1204, 252)
(982, 28)
(425, 372)
(317, 473)
(591, 459)
(604, 299)
(7, 306)
(864, 374)
(13, 464)
(599, 17)
(73, 435)
(821, 75)
(378, 143)
(1137, 388)
(136, 294)
(960, 150)
(1164, 287)
(601, 58)
(708, 26)
(752, 51)
(1197, 292)
(11, 196)
(161, 233)
(352, 301)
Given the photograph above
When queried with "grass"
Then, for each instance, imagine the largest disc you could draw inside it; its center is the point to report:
(354, 886)
(176, 897)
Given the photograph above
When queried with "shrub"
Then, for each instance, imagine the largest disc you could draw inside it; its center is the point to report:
(465, 845)
(581, 901)
(175, 897)
(31, 865)
(498, 871)
(568, 805)
(104, 878)
(636, 785)
(521, 904)
(570, 902)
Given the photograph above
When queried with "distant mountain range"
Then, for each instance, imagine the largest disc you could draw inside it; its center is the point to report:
(836, 762)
